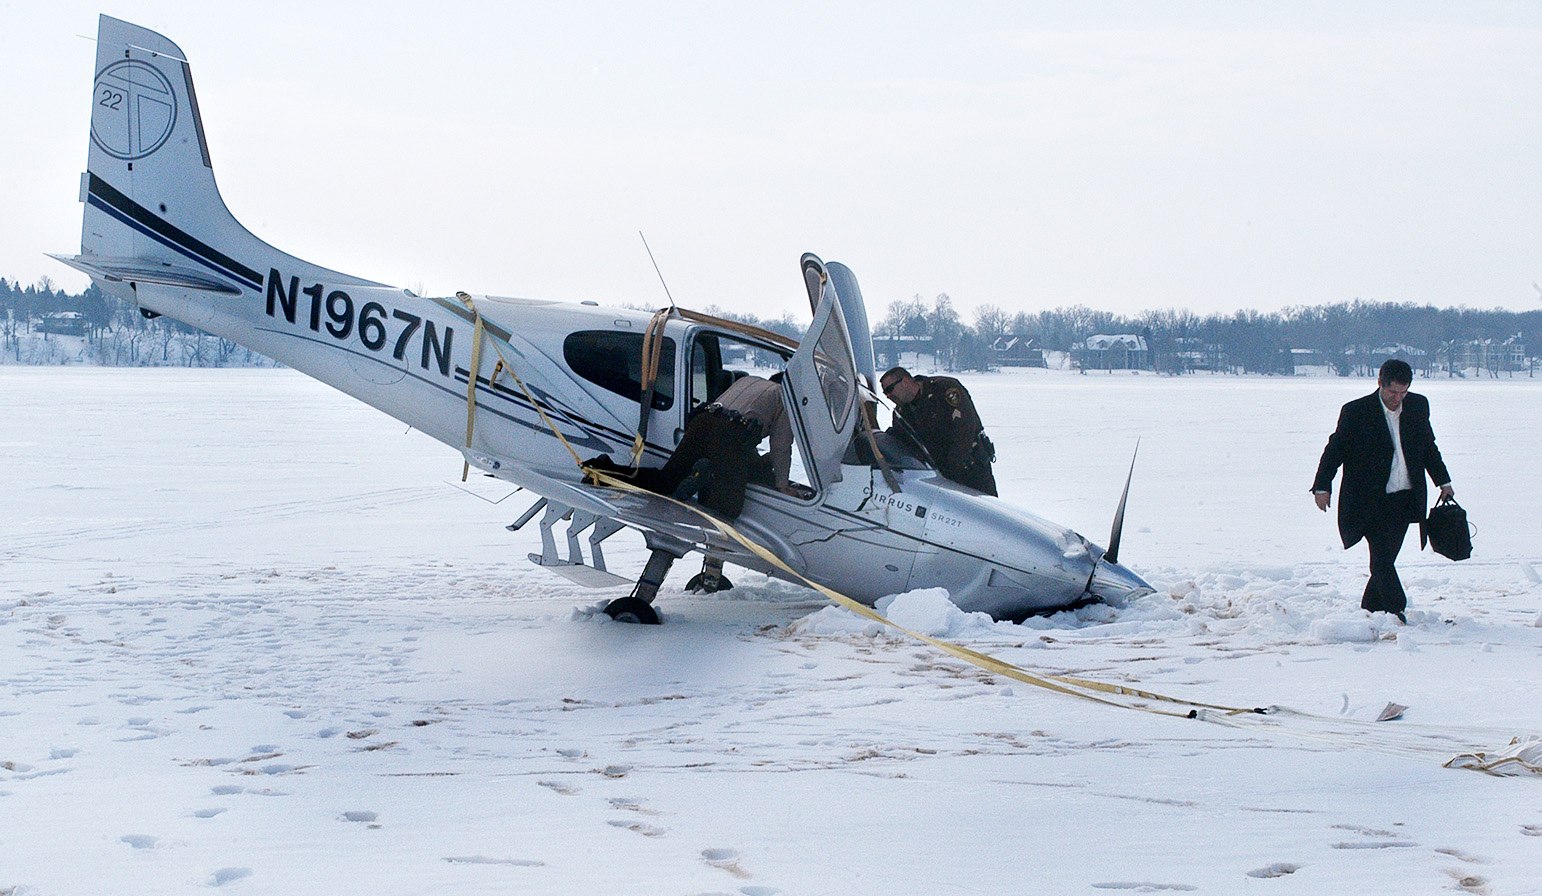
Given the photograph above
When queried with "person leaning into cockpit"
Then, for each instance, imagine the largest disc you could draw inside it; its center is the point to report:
(937, 413)
(717, 456)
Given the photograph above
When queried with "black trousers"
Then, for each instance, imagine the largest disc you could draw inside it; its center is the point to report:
(727, 442)
(1384, 535)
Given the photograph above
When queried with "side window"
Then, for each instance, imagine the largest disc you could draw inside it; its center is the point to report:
(707, 377)
(612, 360)
(831, 361)
(717, 359)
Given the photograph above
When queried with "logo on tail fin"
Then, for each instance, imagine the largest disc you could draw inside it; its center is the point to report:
(133, 110)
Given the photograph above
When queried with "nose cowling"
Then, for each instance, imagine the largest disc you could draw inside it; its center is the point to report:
(1114, 584)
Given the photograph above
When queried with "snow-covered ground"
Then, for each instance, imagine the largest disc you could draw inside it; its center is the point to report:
(252, 639)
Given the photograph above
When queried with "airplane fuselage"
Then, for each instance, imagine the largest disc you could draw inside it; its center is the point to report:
(528, 390)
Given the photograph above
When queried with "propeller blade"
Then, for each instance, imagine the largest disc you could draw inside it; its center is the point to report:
(1112, 554)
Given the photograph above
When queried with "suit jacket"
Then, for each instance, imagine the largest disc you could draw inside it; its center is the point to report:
(1362, 445)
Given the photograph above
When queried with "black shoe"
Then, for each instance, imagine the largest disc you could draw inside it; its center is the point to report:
(695, 482)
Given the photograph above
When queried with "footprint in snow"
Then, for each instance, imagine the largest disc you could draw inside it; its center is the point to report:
(1469, 883)
(484, 860)
(637, 827)
(1278, 869)
(209, 813)
(139, 841)
(725, 860)
(228, 875)
(559, 787)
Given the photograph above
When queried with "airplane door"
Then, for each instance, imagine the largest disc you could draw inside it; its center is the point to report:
(822, 381)
(854, 312)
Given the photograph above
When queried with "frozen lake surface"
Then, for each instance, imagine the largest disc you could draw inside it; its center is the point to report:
(252, 639)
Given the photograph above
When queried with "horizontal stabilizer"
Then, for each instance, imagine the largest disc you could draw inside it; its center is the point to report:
(134, 270)
(581, 573)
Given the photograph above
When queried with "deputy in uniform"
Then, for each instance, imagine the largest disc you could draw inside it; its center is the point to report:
(937, 412)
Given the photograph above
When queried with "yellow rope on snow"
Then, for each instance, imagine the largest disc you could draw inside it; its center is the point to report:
(1058, 684)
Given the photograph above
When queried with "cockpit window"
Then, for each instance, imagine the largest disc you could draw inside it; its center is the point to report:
(612, 360)
(898, 453)
(832, 361)
(717, 359)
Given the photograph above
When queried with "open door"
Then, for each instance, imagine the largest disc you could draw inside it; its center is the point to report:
(822, 380)
(853, 310)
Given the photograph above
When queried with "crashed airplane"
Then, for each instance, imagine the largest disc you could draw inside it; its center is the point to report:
(527, 389)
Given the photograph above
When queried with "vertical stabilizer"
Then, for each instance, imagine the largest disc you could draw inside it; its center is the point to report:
(149, 190)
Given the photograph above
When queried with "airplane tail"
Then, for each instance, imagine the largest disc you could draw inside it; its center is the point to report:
(153, 213)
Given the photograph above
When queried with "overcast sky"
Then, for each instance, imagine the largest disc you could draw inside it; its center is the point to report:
(1126, 156)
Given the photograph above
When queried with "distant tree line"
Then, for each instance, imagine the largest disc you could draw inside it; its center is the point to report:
(111, 333)
(116, 334)
(1253, 341)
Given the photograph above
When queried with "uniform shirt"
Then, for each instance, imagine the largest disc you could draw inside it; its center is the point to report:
(944, 420)
(761, 400)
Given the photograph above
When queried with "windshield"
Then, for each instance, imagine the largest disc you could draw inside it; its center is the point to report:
(899, 453)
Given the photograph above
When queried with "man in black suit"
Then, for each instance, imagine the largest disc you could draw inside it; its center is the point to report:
(1386, 446)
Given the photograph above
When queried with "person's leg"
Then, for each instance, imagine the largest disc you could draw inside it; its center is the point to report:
(694, 445)
(730, 458)
(1384, 592)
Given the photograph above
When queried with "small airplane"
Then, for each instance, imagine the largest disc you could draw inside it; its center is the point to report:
(525, 389)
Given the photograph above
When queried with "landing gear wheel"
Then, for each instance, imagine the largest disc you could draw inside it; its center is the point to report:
(711, 579)
(699, 584)
(632, 609)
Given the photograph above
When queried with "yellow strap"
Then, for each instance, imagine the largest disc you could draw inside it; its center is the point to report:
(1073, 687)
(471, 380)
(503, 366)
(652, 354)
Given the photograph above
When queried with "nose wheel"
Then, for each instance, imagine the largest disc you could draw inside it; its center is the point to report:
(632, 609)
(711, 579)
(637, 607)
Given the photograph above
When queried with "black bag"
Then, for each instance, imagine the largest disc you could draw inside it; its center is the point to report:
(1448, 530)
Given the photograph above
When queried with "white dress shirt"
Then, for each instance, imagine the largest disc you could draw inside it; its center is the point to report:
(1398, 479)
